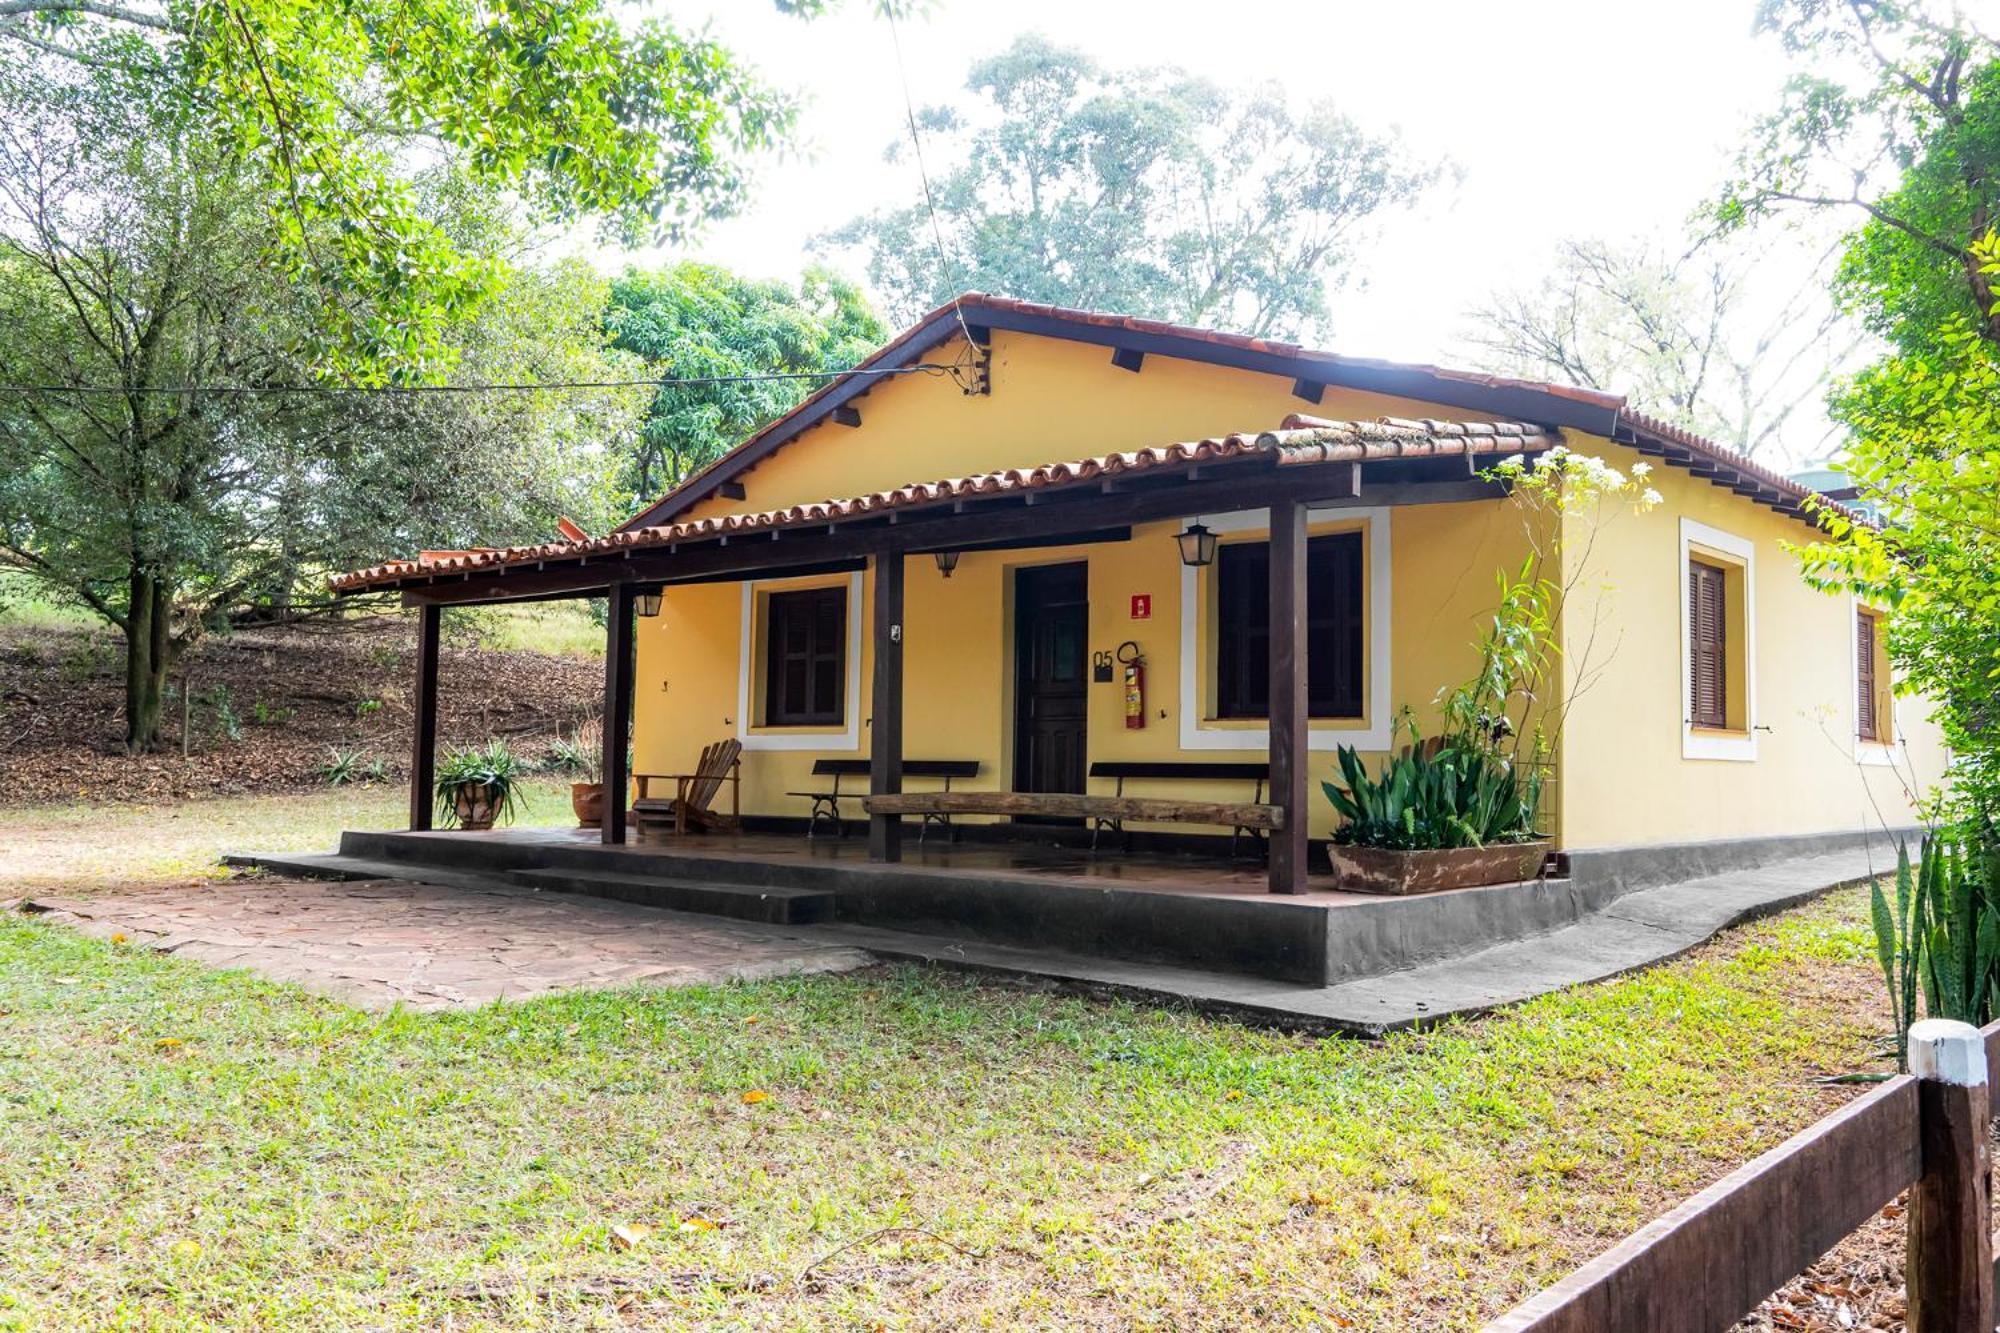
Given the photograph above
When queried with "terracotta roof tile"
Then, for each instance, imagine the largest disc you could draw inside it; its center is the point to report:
(1300, 439)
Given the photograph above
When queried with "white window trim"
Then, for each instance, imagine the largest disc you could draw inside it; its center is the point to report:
(783, 739)
(1699, 744)
(1871, 753)
(1197, 735)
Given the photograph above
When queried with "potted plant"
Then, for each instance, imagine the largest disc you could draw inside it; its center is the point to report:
(1446, 813)
(581, 755)
(477, 786)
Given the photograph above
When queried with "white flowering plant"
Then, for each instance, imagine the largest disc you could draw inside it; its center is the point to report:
(1510, 707)
(1481, 779)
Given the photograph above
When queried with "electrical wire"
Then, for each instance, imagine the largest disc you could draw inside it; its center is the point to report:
(930, 202)
(668, 382)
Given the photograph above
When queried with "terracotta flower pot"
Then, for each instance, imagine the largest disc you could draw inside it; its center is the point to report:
(1381, 870)
(587, 799)
(475, 806)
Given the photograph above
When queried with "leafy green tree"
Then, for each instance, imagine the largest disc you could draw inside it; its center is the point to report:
(700, 320)
(1893, 122)
(1925, 450)
(575, 112)
(132, 259)
(1896, 122)
(1149, 192)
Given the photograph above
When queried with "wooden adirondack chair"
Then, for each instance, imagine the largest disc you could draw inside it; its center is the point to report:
(688, 809)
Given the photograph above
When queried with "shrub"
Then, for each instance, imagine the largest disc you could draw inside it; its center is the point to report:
(493, 768)
(342, 767)
(1941, 936)
(579, 754)
(264, 714)
(1434, 794)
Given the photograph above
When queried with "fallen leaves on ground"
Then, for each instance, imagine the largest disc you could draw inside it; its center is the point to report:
(295, 693)
(627, 1235)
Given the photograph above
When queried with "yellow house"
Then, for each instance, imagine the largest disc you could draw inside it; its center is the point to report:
(952, 561)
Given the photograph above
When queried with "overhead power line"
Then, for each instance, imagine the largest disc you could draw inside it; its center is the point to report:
(657, 382)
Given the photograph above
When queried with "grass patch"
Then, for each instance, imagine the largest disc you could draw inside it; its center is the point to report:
(573, 628)
(182, 1146)
(25, 607)
(80, 846)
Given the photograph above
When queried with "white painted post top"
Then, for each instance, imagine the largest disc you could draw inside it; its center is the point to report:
(1944, 1050)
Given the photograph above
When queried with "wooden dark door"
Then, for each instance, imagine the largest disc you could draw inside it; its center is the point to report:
(1051, 677)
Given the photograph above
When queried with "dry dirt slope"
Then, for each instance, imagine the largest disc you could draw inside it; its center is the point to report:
(264, 707)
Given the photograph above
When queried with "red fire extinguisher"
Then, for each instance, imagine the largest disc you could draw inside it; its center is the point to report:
(1135, 685)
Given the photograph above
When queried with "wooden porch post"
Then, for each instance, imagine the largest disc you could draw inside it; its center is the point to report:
(423, 724)
(885, 745)
(1288, 694)
(617, 711)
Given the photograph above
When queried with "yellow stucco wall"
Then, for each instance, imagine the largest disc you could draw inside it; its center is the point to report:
(1052, 401)
(958, 662)
(1626, 779)
(1623, 779)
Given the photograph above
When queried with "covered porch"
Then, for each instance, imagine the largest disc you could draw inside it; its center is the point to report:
(1191, 913)
(1288, 478)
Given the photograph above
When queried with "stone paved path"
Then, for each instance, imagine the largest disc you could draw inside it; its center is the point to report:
(379, 942)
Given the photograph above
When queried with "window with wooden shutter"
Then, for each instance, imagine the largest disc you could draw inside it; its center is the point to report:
(1334, 637)
(805, 663)
(1867, 719)
(1708, 646)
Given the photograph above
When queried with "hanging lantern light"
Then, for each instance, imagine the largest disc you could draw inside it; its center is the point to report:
(648, 603)
(1197, 545)
(946, 561)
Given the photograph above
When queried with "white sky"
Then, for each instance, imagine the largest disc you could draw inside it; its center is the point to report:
(1568, 117)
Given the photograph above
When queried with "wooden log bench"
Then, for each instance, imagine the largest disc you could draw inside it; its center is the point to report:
(826, 801)
(1110, 810)
(1181, 770)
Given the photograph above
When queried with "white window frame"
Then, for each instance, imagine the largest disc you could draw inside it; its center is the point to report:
(1871, 753)
(1699, 743)
(790, 738)
(1200, 733)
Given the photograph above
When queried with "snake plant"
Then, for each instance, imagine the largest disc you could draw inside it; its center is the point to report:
(1439, 794)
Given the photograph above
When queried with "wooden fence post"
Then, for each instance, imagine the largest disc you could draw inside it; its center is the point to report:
(1950, 1265)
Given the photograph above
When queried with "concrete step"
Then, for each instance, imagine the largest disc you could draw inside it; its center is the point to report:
(336, 865)
(745, 902)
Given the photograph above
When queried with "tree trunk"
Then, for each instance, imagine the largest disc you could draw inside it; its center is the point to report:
(148, 658)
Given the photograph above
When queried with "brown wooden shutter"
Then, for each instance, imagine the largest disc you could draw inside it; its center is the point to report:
(1866, 725)
(1708, 650)
(805, 657)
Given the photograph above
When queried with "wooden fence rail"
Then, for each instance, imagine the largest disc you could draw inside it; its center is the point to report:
(1709, 1262)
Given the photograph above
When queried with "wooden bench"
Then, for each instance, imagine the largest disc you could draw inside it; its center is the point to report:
(1254, 817)
(826, 804)
(1181, 770)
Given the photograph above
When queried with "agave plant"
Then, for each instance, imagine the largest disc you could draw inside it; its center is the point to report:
(1434, 794)
(478, 786)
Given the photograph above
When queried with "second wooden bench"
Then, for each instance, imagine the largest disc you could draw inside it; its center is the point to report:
(826, 803)
(1254, 817)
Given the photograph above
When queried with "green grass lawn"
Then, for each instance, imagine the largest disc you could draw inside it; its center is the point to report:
(77, 846)
(186, 1147)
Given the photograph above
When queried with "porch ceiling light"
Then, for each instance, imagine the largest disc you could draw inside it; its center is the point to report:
(647, 603)
(946, 561)
(1197, 545)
